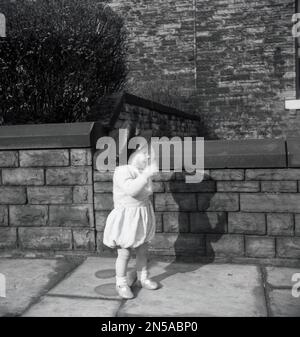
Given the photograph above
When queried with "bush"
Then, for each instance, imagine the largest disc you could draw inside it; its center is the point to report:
(58, 58)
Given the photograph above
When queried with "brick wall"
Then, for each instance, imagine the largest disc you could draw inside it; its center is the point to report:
(232, 61)
(159, 124)
(117, 110)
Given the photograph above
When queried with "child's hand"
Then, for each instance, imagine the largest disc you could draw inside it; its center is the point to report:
(150, 170)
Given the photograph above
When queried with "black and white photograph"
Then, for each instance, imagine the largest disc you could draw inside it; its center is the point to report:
(149, 161)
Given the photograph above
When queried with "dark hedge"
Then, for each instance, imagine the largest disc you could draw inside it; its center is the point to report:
(58, 58)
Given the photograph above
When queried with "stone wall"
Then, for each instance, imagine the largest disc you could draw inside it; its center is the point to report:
(52, 199)
(231, 61)
(233, 213)
(119, 110)
(46, 200)
(160, 124)
(247, 208)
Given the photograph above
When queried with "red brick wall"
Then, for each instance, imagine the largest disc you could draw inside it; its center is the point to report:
(234, 61)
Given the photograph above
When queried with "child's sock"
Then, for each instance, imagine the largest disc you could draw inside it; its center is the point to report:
(142, 275)
(121, 281)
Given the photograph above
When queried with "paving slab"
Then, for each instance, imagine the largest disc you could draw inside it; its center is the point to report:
(95, 278)
(26, 280)
(200, 290)
(281, 276)
(40, 287)
(53, 306)
(283, 304)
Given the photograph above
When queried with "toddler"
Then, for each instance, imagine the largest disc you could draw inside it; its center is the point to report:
(131, 224)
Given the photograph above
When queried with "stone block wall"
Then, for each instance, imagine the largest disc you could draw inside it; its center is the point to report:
(233, 60)
(233, 213)
(159, 124)
(46, 199)
(118, 110)
(52, 199)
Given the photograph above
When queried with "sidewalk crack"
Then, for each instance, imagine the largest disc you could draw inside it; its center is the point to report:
(52, 283)
(266, 289)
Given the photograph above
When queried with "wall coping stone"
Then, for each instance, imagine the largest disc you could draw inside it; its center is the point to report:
(293, 151)
(250, 153)
(151, 105)
(47, 136)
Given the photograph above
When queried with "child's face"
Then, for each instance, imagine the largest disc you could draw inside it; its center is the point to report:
(142, 159)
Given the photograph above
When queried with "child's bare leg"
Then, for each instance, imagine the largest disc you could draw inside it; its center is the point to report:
(121, 265)
(121, 271)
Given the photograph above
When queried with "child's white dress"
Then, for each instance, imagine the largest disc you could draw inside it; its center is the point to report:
(132, 221)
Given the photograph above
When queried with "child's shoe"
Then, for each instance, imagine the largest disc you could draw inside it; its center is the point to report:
(124, 291)
(122, 287)
(147, 284)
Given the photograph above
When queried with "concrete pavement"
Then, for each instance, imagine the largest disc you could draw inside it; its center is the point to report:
(74, 287)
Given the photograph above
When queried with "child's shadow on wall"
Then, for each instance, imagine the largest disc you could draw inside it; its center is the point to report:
(197, 231)
(194, 243)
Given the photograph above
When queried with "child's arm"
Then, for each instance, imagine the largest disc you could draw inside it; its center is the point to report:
(132, 186)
